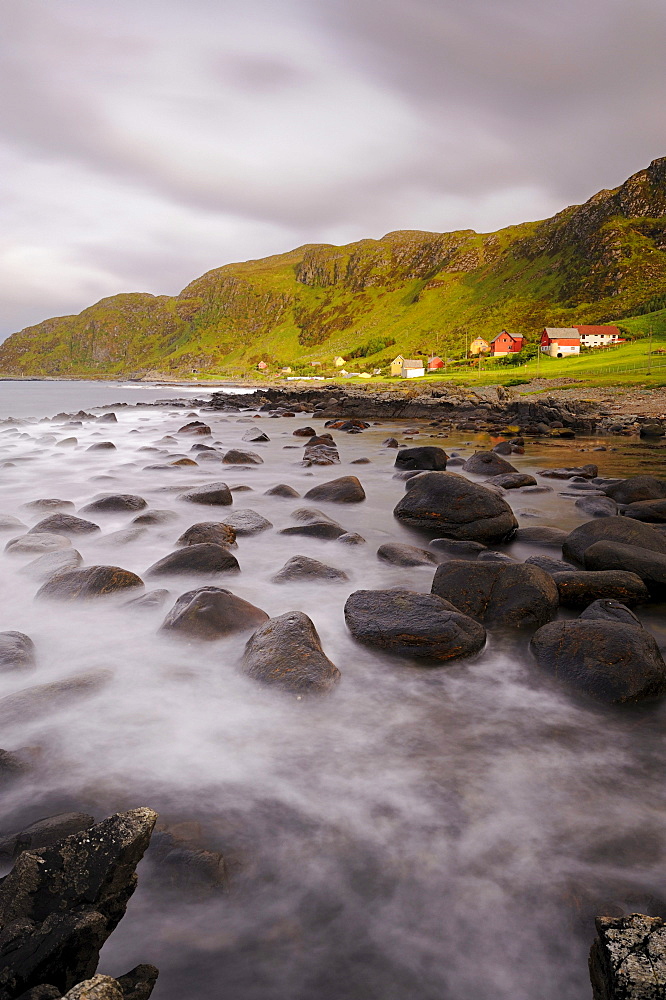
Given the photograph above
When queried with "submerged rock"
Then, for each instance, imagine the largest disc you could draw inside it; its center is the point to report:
(203, 557)
(399, 554)
(35, 544)
(282, 490)
(287, 652)
(215, 494)
(17, 651)
(247, 522)
(498, 594)
(456, 508)
(314, 524)
(112, 503)
(346, 489)
(628, 958)
(541, 534)
(411, 624)
(92, 581)
(45, 833)
(489, 463)
(237, 457)
(610, 661)
(512, 480)
(32, 702)
(304, 568)
(212, 612)
(64, 524)
(426, 458)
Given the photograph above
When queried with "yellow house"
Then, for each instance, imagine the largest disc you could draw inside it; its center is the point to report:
(396, 365)
(339, 362)
(479, 346)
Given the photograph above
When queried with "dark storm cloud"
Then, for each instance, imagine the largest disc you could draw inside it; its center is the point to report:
(143, 142)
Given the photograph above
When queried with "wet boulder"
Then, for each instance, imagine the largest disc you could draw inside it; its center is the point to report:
(304, 568)
(610, 610)
(541, 534)
(423, 626)
(649, 566)
(426, 458)
(351, 538)
(498, 594)
(45, 833)
(454, 507)
(597, 506)
(578, 588)
(628, 958)
(247, 522)
(114, 503)
(208, 531)
(625, 530)
(488, 463)
(582, 471)
(149, 601)
(282, 490)
(549, 564)
(321, 450)
(51, 563)
(637, 488)
(651, 511)
(305, 432)
(64, 524)
(37, 543)
(512, 480)
(235, 456)
(287, 652)
(17, 651)
(255, 436)
(610, 661)
(399, 554)
(458, 549)
(203, 557)
(102, 446)
(59, 904)
(48, 505)
(155, 517)
(314, 524)
(210, 613)
(215, 494)
(89, 582)
(346, 489)
(195, 427)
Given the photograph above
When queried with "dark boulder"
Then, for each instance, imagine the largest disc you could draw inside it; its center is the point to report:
(314, 524)
(611, 611)
(578, 588)
(651, 511)
(115, 503)
(625, 530)
(196, 427)
(212, 612)
(64, 524)
(101, 446)
(321, 450)
(304, 568)
(498, 594)
(410, 624)
(237, 457)
(458, 549)
(427, 458)
(399, 554)
(608, 660)
(549, 564)
(541, 534)
(204, 557)
(637, 488)
(451, 505)
(208, 531)
(351, 538)
(92, 581)
(59, 904)
(17, 651)
(583, 471)
(287, 652)
(488, 463)
(247, 522)
(650, 566)
(391, 442)
(597, 506)
(512, 480)
(215, 494)
(45, 833)
(628, 958)
(305, 432)
(346, 489)
(282, 490)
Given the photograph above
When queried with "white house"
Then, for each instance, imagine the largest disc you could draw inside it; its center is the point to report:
(599, 336)
(412, 369)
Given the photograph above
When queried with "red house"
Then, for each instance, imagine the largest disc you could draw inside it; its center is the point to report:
(262, 366)
(506, 343)
(434, 364)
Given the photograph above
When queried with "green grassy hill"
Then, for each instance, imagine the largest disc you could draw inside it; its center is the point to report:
(410, 292)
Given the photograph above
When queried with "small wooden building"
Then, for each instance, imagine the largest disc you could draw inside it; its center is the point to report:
(412, 368)
(479, 346)
(506, 343)
(560, 342)
(396, 366)
(339, 362)
(435, 363)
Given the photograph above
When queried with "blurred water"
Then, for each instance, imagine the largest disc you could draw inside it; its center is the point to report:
(437, 833)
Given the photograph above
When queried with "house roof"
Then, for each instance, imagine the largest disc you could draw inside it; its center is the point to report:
(514, 336)
(435, 357)
(562, 333)
(483, 341)
(412, 364)
(598, 331)
(398, 358)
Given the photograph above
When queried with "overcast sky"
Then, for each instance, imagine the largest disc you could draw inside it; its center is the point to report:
(143, 142)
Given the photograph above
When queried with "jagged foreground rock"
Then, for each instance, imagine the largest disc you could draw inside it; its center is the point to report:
(59, 904)
(628, 958)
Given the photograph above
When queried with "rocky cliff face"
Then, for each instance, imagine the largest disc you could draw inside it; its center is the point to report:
(591, 263)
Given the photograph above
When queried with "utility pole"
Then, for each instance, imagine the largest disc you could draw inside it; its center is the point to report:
(650, 353)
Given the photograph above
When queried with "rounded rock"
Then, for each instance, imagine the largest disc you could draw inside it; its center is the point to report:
(210, 613)
(287, 652)
(499, 594)
(456, 508)
(93, 581)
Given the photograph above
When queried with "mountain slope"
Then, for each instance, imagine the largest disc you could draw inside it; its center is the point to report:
(591, 263)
